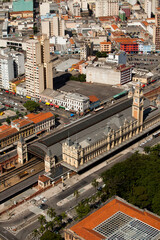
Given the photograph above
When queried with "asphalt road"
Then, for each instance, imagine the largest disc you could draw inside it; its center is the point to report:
(52, 202)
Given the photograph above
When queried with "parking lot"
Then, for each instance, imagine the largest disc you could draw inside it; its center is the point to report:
(102, 91)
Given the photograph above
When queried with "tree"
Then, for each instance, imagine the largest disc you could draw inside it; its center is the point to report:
(76, 194)
(50, 225)
(82, 209)
(42, 219)
(48, 235)
(8, 120)
(95, 184)
(31, 106)
(51, 213)
(63, 215)
(133, 180)
(35, 233)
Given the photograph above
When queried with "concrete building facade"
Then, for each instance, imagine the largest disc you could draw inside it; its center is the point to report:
(108, 74)
(118, 130)
(156, 30)
(6, 71)
(106, 8)
(39, 74)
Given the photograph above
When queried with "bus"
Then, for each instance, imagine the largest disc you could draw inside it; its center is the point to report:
(121, 94)
(156, 134)
(28, 97)
(98, 109)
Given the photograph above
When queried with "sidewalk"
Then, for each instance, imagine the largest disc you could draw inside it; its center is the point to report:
(55, 190)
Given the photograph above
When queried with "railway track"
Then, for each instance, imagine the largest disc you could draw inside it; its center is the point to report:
(16, 171)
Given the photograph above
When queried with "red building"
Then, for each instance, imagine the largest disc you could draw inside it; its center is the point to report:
(129, 45)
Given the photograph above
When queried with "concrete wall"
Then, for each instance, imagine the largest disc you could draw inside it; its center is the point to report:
(102, 75)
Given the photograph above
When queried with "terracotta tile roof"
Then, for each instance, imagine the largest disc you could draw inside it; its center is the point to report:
(4, 127)
(71, 41)
(114, 26)
(145, 23)
(107, 18)
(8, 132)
(36, 118)
(128, 40)
(85, 227)
(21, 122)
(43, 178)
(93, 98)
(105, 42)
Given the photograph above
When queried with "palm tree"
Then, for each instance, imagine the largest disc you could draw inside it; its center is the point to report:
(50, 225)
(35, 233)
(42, 219)
(76, 194)
(95, 183)
(42, 229)
(51, 213)
(63, 215)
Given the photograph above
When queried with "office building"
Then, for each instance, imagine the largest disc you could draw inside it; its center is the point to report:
(54, 26)
(107, 8)
(156, 30)
(6, 71)
(39, 75)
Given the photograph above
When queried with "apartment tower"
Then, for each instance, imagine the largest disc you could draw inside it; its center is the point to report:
(39, 75)
(156, 30)
(107, 8)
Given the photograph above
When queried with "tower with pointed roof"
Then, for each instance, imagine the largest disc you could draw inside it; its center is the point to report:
(137, 106)
(49, 161)
(22, 150)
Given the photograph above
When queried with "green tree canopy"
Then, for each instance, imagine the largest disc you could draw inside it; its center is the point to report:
(50, 236)
(136, 179)
(82, 209)
(31, 106)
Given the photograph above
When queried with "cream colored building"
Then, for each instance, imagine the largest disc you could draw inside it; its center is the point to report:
(39, 74)
(118, 130)
(53, 27)
(107, 8)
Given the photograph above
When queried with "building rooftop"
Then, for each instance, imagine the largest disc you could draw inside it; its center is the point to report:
(118, 220)
(43, 178)
(37, 118)
(7, 132)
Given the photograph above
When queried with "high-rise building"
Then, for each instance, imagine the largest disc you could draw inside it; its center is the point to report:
(53, 27)
(107, 8)
(39, 75)
(156, 30)
(148, 7)
(6, 71)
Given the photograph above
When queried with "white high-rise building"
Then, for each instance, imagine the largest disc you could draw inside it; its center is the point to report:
(6, 71)
(39, 74)
(148, 7)
(18, 63)
(53, 27)
(107, 8)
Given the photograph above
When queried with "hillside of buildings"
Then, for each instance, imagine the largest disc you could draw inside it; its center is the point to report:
(136, 180)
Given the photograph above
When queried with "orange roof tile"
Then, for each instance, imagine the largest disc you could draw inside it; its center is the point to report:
(21, 122)
(105, 42)
(71, 41)
(114, 26)
(85, 227)
(8, 132)
(145, 23)
(4, 127)
(36, 118)
(43, 178)
(93, 98)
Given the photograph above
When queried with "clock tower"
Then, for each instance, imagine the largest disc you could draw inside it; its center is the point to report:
(137, 106)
